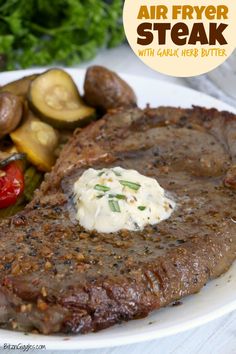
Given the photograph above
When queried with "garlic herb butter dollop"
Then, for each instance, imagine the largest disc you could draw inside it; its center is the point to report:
(112, 199)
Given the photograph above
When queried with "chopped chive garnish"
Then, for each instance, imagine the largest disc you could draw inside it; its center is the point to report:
(100, 187)
(141, 207)
(101, 173)
(118, 196)
(131, 185)
(117, 173)
(114, 206)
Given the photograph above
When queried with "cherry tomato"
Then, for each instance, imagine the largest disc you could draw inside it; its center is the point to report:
(11, 184)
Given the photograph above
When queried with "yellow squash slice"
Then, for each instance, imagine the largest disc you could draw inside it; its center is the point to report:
(38, 140)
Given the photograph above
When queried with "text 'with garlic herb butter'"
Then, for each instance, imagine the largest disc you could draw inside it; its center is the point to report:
(112, 199)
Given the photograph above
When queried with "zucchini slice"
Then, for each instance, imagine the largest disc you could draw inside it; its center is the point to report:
(54, 97)
(33, 179)
(38, 141)
(11, 158)
(19, 87)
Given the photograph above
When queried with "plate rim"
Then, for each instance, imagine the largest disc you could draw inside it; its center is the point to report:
(126, 76)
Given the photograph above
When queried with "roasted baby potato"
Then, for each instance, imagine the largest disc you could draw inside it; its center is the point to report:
(11, 110)
(105, 90)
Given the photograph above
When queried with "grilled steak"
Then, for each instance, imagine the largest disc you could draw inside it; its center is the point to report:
(58, 277)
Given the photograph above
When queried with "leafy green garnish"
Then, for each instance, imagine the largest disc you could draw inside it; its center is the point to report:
(42, 32)
(131, 185)
(114, 206)
(141, 207)
(100, 187)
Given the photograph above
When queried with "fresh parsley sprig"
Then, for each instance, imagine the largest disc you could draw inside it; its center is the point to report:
(43, 32)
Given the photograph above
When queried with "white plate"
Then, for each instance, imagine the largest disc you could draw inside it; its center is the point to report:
(216, 299)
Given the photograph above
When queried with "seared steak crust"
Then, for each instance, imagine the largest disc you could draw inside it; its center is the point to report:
(57, 277)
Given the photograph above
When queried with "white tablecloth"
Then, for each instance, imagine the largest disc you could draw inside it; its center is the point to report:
(217, 337)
